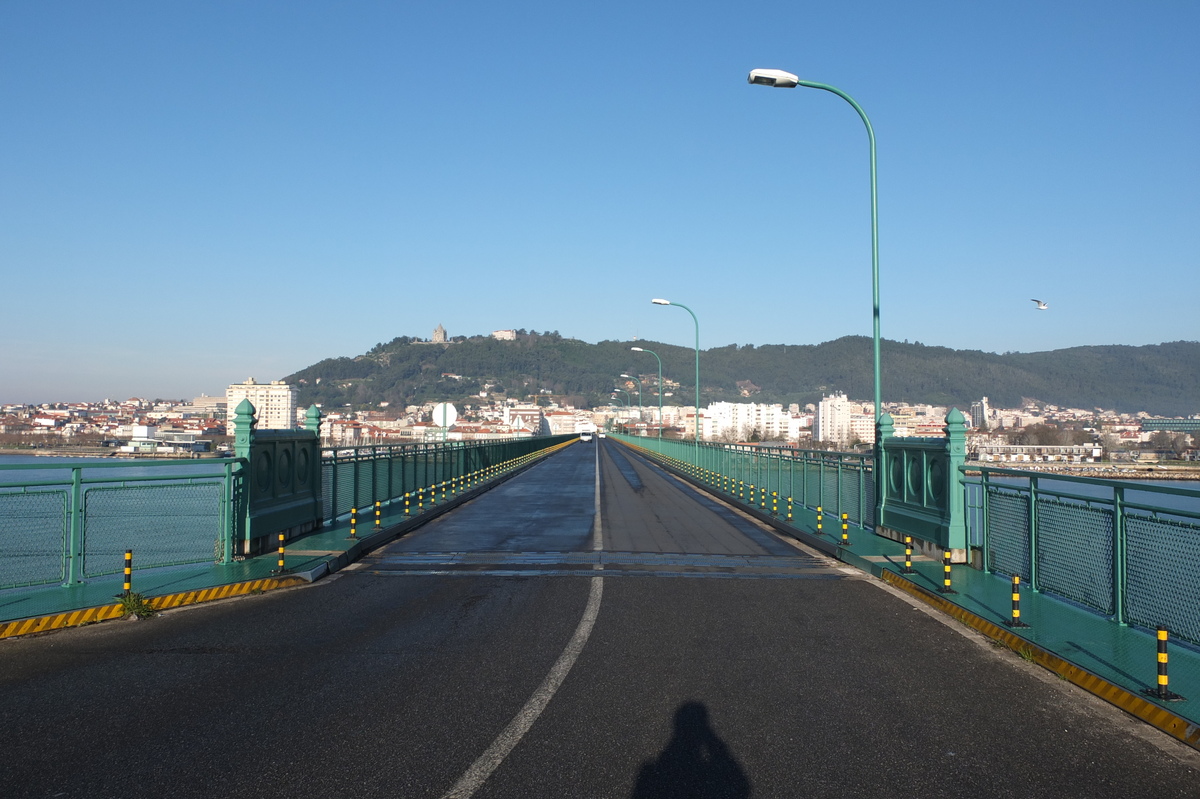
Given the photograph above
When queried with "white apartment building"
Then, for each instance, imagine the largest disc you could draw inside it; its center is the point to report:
(832, 422)
(740, 419)
(274, 403)
(504, 335)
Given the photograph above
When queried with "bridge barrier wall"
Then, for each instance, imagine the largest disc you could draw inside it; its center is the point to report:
(921, 493)
(283, 479)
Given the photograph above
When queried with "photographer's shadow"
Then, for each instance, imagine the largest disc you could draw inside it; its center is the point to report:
(695, 763)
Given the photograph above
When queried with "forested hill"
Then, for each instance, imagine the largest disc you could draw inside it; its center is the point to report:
(1161, 379)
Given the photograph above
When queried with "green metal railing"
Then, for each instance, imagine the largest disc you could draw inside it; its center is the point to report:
(75, 521)
(772, 478)
(358, 477)
(1127, 550)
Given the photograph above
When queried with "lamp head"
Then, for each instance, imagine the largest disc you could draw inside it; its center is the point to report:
(661, 302)
(773, 77)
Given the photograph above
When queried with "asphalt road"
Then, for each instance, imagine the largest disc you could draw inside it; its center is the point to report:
(515, 648)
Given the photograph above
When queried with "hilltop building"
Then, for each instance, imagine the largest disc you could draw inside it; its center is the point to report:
(504, 335)
(439, 335)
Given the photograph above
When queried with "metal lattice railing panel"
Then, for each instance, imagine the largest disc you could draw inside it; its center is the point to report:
(1163, 561)
(345, 488)
(1075, 551)
(1008, 523)
(164, 525)
(33, 538)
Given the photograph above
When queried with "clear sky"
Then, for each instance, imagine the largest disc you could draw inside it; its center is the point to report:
(192, 193)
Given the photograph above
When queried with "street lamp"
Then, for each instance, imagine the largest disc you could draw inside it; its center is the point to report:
(638, 381)
(786, 80)
(660, 394)
(697, 321)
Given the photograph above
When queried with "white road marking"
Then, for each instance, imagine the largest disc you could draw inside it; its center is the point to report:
(474, 777)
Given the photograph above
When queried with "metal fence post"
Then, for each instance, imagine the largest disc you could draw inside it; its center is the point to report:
(74, 551)
(1120, 555)
(1034, 583)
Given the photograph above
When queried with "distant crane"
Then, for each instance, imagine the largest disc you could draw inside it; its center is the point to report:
(1041, 306)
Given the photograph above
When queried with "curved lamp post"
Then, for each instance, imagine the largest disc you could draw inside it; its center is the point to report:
(786, 80)
(637, 380)
(655, 354)
(697, 322)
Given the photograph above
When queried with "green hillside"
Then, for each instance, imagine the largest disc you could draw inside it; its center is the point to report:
(1161, 379)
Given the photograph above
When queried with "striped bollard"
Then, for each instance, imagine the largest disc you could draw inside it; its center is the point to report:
(354, 522)
(946, 589)
(789, 510)
(281, 569)
(378, 516)
(407, 505)
(1015, 621)
(1163, 691)
(908, 569)
(819, 520)
(845, 529)
(128, 585)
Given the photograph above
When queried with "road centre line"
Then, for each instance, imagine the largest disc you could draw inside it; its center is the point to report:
(475, 776)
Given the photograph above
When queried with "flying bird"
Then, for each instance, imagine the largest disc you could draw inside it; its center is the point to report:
(1041, 306)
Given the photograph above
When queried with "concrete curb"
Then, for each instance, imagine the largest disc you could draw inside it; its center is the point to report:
(1155, 715)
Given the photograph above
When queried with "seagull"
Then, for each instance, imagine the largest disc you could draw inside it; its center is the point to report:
(1041, 306)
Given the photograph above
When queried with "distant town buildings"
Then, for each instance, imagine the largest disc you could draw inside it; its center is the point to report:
(274, 403)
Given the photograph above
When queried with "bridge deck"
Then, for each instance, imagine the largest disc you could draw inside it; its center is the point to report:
(401, 675)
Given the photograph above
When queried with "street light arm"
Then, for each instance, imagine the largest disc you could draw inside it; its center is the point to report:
(786, 80)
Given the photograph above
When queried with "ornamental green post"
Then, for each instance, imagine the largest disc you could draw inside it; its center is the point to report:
(243, 428)
(956, 447)
(887, 429)
(312, 421)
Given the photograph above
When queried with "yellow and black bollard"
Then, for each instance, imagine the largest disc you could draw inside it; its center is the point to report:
(354, 522)
(128, 586)
(407, 501)
(1163, 691)
(1015, 621)
(421, 500)
(845, 529)
(946, 589)
(378, 514)
(789, 510)
(820, 520)
(281, 569)
(908, 569)
(774, 503)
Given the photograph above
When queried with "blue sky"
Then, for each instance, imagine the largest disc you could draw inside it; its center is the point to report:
(193, 193)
